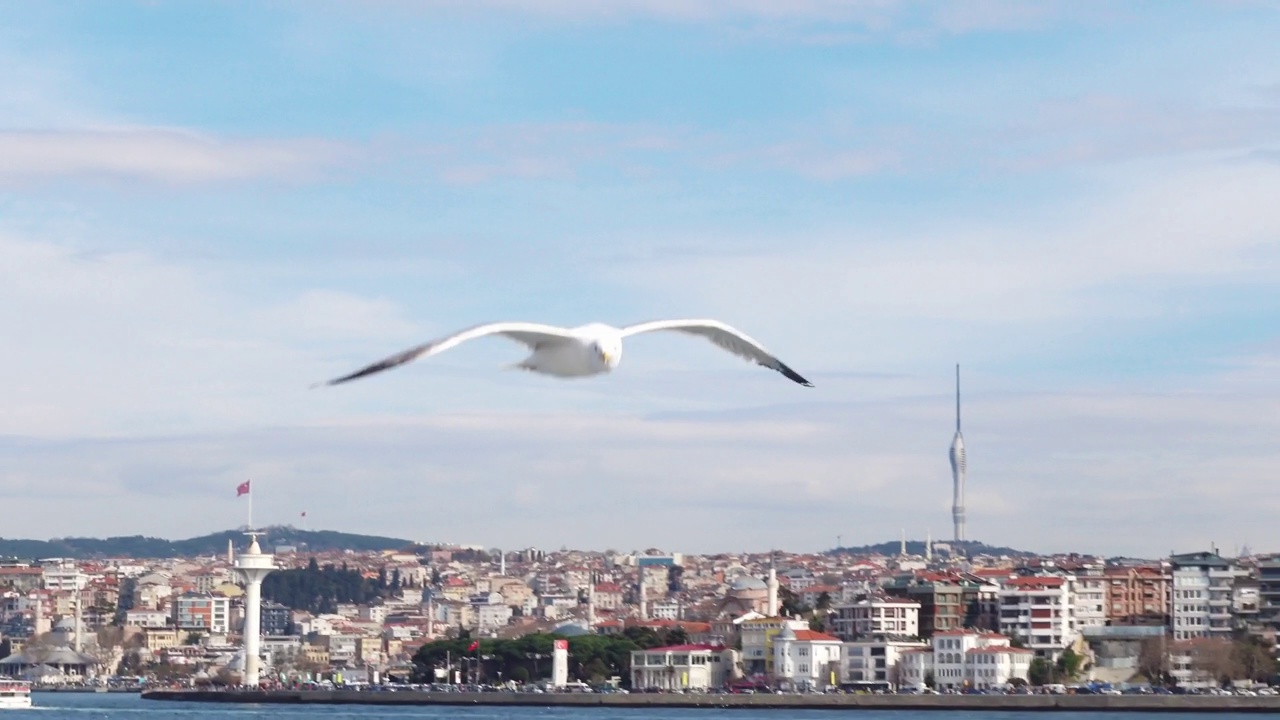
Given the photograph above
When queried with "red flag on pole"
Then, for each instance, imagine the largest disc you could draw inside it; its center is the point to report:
(242, 488)
(472, 647)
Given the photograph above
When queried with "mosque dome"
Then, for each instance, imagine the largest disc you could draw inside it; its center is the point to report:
(747, 582)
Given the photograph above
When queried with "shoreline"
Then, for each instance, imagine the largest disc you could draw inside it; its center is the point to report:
(1048, 703)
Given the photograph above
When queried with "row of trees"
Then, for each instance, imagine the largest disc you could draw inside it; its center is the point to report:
(1244, 657)
(592, 658)
(321, 589)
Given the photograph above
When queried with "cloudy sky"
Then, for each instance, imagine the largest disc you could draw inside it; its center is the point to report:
(204, 208)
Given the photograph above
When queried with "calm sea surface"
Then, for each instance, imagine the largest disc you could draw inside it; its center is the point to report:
(118, 706)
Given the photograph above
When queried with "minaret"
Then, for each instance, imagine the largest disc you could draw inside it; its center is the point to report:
(773, 589)
(78, 646)
(928, 545)
(231, 553)
(644, 613)
(254, 565)
(902, 547)
(502, 563)
(958, 470)
(591, 604)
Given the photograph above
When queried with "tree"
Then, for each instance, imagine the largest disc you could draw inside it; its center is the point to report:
(675, 636)
(929, 680)
(1254, 659)
(824, 601)
(110, 649)
(1153, 661)
(125, 602)
(789, 603)
(39, 648)
(1040, 672)
(1068, 665)
(1215, 659)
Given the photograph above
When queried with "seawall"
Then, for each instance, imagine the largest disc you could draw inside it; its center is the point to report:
(1110, 703)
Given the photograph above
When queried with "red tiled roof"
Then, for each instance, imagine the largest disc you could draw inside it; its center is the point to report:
(814, 635)
(1032, 582)
(685, 648)
(822, 589)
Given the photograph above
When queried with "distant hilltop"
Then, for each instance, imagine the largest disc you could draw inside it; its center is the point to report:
(138, 546)
(968, 548)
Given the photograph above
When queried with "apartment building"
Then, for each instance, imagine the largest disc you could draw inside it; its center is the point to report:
(1039, 611)
(877, 616)
(1137, 595)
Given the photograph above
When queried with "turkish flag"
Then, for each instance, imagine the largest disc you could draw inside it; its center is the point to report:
(242, 488)
(472, 647)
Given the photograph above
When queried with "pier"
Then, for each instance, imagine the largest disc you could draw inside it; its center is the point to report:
(1076, 703)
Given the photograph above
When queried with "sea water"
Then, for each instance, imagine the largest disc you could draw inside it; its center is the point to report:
(125, 706)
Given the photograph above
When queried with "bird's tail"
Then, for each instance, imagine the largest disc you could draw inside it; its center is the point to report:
(522, 365)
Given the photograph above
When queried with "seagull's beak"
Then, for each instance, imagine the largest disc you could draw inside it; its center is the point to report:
(604, 355)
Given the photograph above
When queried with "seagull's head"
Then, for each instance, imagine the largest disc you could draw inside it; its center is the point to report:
(608, 352)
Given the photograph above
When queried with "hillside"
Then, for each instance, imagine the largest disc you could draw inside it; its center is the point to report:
(968, 548)
(138, 546)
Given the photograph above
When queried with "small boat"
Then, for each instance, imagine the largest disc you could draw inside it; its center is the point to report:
(14, 694)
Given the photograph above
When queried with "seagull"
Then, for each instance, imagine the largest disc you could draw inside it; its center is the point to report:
(591, 349)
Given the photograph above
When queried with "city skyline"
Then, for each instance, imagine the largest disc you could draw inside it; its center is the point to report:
(204, 210)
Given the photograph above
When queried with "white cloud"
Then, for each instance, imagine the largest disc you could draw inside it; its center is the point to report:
(156, 154)
(898, 19)
(1048, 471)
(890, 296)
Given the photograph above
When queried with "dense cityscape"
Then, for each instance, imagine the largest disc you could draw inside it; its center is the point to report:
(927, 616)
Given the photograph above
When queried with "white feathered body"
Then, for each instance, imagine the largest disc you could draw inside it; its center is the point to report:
(579, 356)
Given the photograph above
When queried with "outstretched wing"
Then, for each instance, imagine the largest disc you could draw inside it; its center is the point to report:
(726, 337)
(531, 334)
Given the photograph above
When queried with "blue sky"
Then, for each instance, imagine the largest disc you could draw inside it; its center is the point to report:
(204, 208)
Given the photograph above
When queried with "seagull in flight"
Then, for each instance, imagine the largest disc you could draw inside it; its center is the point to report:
(582, 351)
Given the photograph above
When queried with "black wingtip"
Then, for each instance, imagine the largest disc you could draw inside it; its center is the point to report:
(792, 375)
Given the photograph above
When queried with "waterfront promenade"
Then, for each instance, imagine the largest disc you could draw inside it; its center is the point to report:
(1112, 703)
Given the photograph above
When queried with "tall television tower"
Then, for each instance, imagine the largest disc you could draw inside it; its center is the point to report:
(958, 469)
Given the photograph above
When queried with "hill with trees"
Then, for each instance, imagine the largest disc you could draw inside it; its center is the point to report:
(968, 548)
(139, 546)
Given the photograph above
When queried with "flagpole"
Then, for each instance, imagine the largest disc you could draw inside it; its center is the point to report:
(251, 508)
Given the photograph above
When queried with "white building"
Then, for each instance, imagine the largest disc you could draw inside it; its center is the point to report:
(959, 659)
(665, 610)
(490, 611)
(877, 617)
(1039, 611)
(202, 612)
(1089, 592)
(65, 577)
(679, 667)
(758, 634)
(806, 659)
(875, 662)
(1201, 595)
(146, 618)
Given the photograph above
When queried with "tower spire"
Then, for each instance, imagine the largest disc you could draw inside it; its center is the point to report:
(957, 397)
(959, 470)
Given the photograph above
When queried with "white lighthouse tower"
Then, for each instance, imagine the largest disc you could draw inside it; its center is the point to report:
(254, 565)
